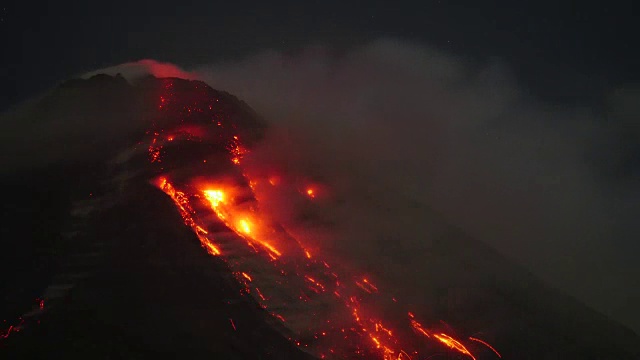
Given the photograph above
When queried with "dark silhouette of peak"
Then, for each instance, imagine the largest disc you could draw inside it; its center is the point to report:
(99, 80)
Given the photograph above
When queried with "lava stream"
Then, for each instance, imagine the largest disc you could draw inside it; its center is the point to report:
(281, 274)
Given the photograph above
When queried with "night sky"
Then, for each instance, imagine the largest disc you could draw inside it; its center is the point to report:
(564, 51)
(562, 55)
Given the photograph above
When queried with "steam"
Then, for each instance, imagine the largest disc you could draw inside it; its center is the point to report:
(134, 70)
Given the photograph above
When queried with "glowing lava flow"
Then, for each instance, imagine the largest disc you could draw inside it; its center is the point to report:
(181, 201)
(365, 336)
(242, 226)
(326, 314)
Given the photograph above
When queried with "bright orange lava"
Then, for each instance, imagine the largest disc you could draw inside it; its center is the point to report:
(220, 203)
(244, 226)
(453, 344)
(215, 197)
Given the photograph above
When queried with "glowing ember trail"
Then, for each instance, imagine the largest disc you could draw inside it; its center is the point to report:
(453, 343)
(487, 345)
(418, 327)
(327, 314)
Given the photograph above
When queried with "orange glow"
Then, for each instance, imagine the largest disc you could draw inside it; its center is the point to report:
(418, 327)
(154, 153)
(181, 201)
(373, 287)
(311, 193)
(244, 226)
(262, 297)
(361, 286)
(219, 204)
(314, 282)
(215, 197)
(246, 276)
(213, 250)
(367, 286)
(380, 327)
(201, 230)
(453, 344)
(376, 341)
(236, 150)
(271, 248)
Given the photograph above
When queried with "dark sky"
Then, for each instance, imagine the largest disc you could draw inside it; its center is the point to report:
(561, 50)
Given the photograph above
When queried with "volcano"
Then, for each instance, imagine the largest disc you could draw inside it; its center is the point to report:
(151, 237)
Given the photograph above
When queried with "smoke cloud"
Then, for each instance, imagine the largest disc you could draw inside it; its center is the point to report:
(393, 123)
